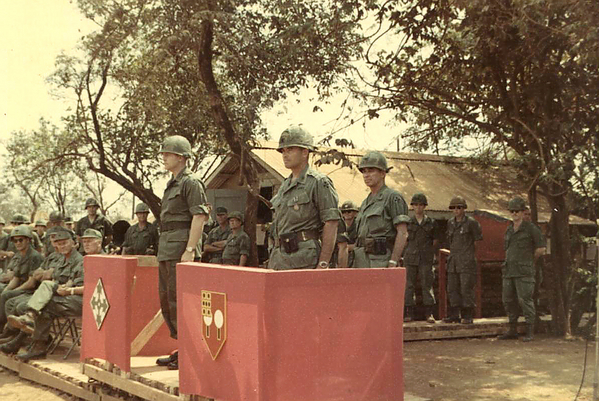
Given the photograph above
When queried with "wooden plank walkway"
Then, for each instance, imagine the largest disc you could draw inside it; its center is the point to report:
(99, 381)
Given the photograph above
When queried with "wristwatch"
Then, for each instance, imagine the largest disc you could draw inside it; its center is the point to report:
(323, 264)
(189, 249)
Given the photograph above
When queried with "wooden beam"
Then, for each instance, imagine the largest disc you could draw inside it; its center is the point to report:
(146, 333)
(34, 374)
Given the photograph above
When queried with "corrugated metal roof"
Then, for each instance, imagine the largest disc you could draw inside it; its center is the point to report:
(487, 188)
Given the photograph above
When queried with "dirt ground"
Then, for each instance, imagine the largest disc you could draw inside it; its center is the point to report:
(547, 369)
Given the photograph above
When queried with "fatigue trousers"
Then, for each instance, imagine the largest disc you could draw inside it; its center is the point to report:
(460, 289)
(426, 283)
(18, 305)
(4, 298)
(167, 291)
(517, 292)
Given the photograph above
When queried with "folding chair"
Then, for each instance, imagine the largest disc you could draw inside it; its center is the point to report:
(61, 328)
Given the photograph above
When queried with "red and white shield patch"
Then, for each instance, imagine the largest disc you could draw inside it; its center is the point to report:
(214, 321)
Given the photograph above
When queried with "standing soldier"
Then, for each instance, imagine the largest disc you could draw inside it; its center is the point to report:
(40, 228)
(217, 237)
(349, 211)
(142, 237)
(237, 248)
(462, 232)
(182, 220)
(383, 217)
(418, 258)
(94, 220)
(306, 211)
(69, 223)
(524, 244)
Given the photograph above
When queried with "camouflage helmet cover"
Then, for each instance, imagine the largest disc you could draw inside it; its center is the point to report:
(517, 204)
(296, 135)
(142, 208)
(374, 159)
(236, 215)
(91, 202)
(176, 144)
(458, 201)
(348, 206)
(419, 199)
(55, 216)
(19, 219)
(21, 231)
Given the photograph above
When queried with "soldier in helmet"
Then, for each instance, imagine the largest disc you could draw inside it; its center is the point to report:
(306, 215)
(383, 217)
(349, 211)
(182, 220)
(40, 228)
(94, 220)
(217, 237)
(237, 247)
(524, 244)
(142, 237)
(69, 223)
(7, 248)
(418, 258)
(462, 232)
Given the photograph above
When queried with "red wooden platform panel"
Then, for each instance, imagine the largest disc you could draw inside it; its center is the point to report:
(294, 335)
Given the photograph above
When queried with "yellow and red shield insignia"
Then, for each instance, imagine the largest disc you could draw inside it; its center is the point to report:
(214, 321)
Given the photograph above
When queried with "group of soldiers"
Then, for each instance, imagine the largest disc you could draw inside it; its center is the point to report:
(309, 230)
(41, 279)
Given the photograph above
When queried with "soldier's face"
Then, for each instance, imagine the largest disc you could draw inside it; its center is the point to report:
(21, 243)
(40, 230)
(64, 246)
(143, 217)
(373, 177)
(526, 216)
(234, 223)
(172, 161)
(349, 216)
(517, 215)
(458, 211)
(418, 208)
(92, 210)
(221, 218)
(92, 246)
(294, 156)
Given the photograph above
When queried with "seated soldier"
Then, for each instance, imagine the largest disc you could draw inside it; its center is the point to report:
(25, 261)
(54, 267)
(54, 297)
(237, 245)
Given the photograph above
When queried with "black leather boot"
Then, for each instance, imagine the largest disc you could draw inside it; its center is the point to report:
(408, 314)
(165, 361)
(467, 314)
(452, 315)
(530, 329)
(512, 333)
(13, 346)
(38, 350)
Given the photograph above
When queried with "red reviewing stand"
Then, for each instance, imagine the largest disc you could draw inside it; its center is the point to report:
(253, 334)
(124, 291)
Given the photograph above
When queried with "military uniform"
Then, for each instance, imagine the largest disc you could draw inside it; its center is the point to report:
(301, 208)
(519, 270)
(215, 235)
(376, 227)
(461, 266)
(183, 198)
(139, 240)
(237, 245)
(100, 223)
(418, 259)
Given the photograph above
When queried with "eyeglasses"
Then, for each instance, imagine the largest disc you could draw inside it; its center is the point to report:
(515, 211)
(346, 211)
(18, 240)
(455, 207)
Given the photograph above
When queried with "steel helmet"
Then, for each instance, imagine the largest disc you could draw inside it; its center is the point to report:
(176, 144)
(236, 215)
(142, 208)
(21, 231)
(349, 206)
(41, 223)
(296, 135)
(419, 198)
(458, 201)
(19, 218)
(91, 202)
(55, 216)
(517, 204)
(374, 159)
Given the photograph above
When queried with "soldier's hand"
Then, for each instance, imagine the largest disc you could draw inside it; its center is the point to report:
(63, 291)
(47, 275)
(38, 274)
(10, 254)
(187, 256)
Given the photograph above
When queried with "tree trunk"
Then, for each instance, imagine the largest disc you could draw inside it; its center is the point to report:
(560, 262)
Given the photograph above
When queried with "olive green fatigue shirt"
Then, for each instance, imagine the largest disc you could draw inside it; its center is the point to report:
(23, 265)
(419, 249)
(215, 235)
(237, 245)
(378, 217)
(183, 198)
(520, 249)
(461, 236)
(140, 240)
(352, 232)
(101, 223)
(304, 204)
